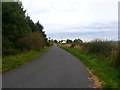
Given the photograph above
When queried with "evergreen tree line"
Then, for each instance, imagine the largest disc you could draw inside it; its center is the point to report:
(19, 32)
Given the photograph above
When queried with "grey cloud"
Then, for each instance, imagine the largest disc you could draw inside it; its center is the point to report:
(94, 27)
(110, 25)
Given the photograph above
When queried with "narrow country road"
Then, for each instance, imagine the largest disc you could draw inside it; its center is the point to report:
(55, 69)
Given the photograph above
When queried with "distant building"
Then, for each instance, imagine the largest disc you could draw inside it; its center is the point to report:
(62, 41)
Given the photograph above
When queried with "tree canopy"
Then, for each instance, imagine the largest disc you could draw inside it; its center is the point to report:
(17, 28)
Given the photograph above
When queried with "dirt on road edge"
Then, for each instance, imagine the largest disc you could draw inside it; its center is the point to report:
(96, 81)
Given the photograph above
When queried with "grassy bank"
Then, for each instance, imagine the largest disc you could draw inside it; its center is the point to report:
(101, 68)
(11, 62)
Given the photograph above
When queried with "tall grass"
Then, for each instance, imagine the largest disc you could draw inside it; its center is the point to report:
(105, 50)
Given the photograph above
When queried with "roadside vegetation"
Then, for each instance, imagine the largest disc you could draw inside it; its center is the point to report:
(101, 57)
(15, 61)
(22, 39)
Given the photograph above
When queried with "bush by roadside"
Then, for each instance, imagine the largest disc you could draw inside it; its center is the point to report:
(32, 41)
(104, 49)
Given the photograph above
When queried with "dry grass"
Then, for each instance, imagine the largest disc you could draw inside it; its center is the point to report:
(96, 81)
(78, 47)
(67, 45)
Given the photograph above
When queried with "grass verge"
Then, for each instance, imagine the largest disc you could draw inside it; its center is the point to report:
(11, 62)
(101, 68)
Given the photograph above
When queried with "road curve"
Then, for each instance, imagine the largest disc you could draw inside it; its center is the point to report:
(55, 69)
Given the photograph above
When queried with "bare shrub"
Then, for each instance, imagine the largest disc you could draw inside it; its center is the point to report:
(99, 47)
(32, 41)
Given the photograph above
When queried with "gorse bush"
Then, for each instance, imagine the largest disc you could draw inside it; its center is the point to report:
(72, 45)
(115, 56)
(105, 50)
(99, 47)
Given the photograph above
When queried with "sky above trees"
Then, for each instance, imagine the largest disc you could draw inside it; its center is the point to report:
(70, 16)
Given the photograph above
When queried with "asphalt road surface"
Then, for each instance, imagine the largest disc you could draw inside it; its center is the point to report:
(55, 69)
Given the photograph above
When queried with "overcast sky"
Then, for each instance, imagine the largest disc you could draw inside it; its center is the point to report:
(75, 16)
